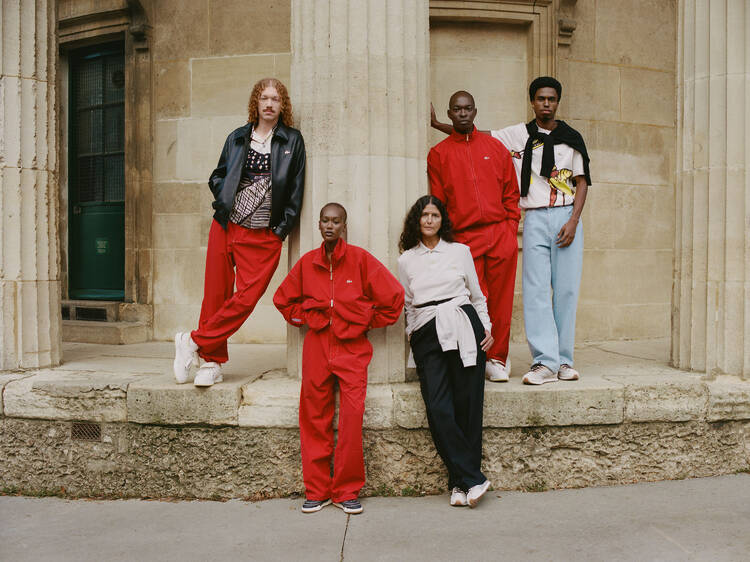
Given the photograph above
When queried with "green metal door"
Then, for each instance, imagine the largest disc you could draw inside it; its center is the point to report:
(97, 174)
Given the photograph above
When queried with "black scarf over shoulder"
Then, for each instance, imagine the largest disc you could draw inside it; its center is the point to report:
(562, 134)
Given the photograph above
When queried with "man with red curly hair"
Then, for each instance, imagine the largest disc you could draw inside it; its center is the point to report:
(257, 188)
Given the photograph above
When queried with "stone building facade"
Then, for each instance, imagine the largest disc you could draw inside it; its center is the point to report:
(659, 89)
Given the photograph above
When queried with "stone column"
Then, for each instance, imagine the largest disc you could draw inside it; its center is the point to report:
(360, 72)
(29, 269)
(711, 300)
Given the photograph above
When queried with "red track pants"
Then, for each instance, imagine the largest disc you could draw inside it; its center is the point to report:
(495, 262)
(326, 358)
(255, 255)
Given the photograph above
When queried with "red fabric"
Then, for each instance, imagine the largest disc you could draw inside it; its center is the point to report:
(255, 255)
(352, 294)
(339, 300)
(325, 360)
(474, 176)
(496, 269)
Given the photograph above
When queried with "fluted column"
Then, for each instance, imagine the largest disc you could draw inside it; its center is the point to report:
(359, 85)
(711, 301)
(29, 270)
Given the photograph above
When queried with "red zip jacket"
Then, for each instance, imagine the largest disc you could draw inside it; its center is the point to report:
(473, 175)
(352, 293)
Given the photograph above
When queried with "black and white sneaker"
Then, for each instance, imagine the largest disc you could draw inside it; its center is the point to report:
(311, 506)
(350, 506)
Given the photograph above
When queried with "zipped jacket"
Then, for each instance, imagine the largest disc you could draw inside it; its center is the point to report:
(287, 176)
(351, 293)
(473, 175)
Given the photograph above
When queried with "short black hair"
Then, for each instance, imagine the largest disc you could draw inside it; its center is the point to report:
(460, 93)
(544, 82)
(333, 204)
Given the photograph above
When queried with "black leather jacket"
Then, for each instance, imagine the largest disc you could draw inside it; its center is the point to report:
(287, 176)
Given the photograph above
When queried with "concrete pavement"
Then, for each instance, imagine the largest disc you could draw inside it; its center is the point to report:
(699, 519)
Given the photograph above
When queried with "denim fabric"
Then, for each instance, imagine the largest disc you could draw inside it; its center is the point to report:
(551, 281)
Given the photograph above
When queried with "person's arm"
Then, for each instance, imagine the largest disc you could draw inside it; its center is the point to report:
(288, 297)
(220, 172)
(294, 202)
(385, 292)
(409, 311)
(568, 231)
(434, 177)
(477, 298)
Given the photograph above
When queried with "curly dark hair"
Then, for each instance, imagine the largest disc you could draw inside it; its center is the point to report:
(412, 233)
(286, 117)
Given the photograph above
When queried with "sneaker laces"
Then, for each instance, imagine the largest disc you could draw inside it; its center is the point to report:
(537, 367)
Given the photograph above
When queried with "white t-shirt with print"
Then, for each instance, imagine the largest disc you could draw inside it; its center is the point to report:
(555, 191)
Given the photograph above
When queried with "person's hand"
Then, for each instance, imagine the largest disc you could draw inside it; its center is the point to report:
(567, 234)
(433, 117)
(487, 342)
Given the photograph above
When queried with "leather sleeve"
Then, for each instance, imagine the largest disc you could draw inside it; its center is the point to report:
(296, 186)
(217, 176)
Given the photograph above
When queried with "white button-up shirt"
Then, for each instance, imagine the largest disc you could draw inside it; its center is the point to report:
(443, 272)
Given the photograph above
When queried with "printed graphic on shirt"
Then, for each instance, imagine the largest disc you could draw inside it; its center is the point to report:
(557, 179)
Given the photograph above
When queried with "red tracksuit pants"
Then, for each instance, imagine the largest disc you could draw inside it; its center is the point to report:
(325, 360)
(496, 269)
(247, 256)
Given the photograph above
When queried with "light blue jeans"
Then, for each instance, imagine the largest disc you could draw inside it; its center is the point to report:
(550, 319)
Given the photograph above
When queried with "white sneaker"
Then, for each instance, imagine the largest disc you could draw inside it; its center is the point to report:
(567, 373)
(476, 492)
(539, 374)
(458, 497)
(208, 374)
(495, 371)
(185, 356)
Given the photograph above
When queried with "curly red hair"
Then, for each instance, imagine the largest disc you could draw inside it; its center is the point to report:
(286, 117)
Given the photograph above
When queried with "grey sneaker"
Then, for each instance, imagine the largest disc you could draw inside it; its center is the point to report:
(567, 373)
(311, 506)
(458, 497)
(350, 506)
(539, 374)
(475, 493)
(495, 371)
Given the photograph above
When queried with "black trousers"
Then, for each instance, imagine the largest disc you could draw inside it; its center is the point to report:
(454, 399)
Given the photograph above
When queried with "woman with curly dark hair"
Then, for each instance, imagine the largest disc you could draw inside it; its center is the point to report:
(449, 333)
(257, 188)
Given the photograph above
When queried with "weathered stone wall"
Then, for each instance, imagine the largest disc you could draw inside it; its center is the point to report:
(215, 463)
(207, 56)
(619, 91)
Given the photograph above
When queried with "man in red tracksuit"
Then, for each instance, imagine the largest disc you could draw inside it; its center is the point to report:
(339, 291)
(473, 174)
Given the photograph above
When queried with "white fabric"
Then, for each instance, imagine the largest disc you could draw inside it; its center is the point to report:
(444, 272)
(542, 191)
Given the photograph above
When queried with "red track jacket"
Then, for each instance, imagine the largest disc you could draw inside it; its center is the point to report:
(352, 293)
(473, 175)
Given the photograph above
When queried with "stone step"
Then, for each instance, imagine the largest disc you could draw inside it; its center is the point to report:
(118, 333)
(96, 311)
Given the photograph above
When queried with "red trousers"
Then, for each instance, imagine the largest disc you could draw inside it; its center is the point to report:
(325, 359)
(495, 251)
(254, 254)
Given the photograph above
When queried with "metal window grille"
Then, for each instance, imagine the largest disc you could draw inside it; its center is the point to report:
(86, 431)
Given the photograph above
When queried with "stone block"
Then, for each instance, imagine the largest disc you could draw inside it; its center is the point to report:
(408, 406)
(601, 321)
(236, 76)
(648, 96)
(172, 88)
(176, 231)
(5, 379)
(270, 401)
(637, 37)
(69, 395)
(612, 209)
(172, 318)
(728, 399)
(632, 152)
(593, 92)
(159, 400)
(196, 154)
(265, 325)
(589, 401)
(165, 150)
(583, 46)
(256, 26)
(379, 407)
(116, 333)
(668, 398)
(181, 30)
(178, 197)
(644, 276)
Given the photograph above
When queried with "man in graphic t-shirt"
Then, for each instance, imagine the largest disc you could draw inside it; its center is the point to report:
(552, 164)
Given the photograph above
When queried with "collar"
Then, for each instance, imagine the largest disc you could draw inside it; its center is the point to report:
(463, 137)
(244, 132)
(321, 259)
(421, 249)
